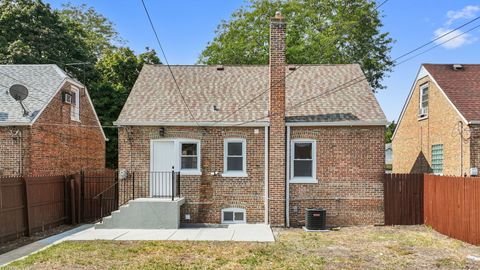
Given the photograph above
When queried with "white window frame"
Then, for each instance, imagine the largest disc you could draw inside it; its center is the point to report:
(422, 87)
(189, 171)
(227, 173)
(234, 210)
(303, 179)
(75, 108)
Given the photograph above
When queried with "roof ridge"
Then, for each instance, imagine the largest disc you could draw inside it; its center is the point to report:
(245, 65)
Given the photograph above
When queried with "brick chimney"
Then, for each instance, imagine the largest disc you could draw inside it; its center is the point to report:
(277, 147)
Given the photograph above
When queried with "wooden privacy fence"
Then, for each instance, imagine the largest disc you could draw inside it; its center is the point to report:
(32, 204)
(452, 206)
(403, 199)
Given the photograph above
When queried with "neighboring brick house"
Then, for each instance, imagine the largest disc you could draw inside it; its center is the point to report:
(438, 130)
(239, 165)
(54, 134)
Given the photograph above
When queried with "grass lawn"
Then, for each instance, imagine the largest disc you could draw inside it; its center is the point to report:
(403, 247)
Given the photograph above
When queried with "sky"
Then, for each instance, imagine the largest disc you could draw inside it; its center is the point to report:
(186, 26)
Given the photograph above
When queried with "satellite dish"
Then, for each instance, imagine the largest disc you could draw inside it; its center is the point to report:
(18, 92)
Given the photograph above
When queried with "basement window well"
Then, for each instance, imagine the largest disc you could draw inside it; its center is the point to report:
(233, 216)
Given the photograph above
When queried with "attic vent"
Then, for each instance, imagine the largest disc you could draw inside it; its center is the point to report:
(457, 67)
(292, 67)
(220, 67)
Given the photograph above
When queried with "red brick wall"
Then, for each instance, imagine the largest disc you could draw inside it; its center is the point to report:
(13, 146)
(205, 195)
(349, 172)
(276, 174)
(61, 145)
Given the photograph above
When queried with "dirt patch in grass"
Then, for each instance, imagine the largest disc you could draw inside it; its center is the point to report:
(403, 247)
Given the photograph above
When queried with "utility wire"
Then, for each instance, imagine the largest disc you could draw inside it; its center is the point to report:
(168, 65)
(359, 79)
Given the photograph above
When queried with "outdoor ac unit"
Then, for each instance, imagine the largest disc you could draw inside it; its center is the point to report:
(67, 97)
(423, 111)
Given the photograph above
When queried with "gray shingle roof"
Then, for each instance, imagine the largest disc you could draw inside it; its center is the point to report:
(41, 80)
(154, 97)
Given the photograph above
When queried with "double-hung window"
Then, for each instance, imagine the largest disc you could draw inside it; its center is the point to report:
(303, 161)
(437, 159)
(423, 112)
(189, 156)
(235, 162)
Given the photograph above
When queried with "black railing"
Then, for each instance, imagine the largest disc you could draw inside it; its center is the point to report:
(140, 184)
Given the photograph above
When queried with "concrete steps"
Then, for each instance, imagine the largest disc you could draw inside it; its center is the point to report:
(145, 213)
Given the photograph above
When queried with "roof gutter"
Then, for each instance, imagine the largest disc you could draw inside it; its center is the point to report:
(338, 123)
(180, 123)
(475, 122)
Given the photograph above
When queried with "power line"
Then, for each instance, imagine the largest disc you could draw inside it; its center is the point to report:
(381, 4)
(361, 78)
(168, 65)
(437, 38)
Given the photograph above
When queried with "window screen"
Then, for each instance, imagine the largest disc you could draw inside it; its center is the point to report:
(303, 159)
(235, 156)
(437, 158)
(189, 156)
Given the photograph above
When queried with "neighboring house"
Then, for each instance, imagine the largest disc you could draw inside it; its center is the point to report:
(57, 133)
(439, 127)
(388, 157)
(238, 165)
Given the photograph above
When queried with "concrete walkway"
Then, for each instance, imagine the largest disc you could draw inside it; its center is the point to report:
(26, 250)
(236, 232)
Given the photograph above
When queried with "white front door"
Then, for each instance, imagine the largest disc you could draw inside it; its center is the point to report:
(162, 161)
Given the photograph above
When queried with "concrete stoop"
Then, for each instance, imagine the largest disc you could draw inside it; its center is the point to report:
(145, 213)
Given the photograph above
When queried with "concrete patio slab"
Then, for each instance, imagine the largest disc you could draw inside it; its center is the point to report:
(215, 234)
(143, 235)
(185, 234)
(238, 232)
(93, 234)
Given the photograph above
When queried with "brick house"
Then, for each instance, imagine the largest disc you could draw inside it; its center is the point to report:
(57, 133)
(439, 127)
(239, 165)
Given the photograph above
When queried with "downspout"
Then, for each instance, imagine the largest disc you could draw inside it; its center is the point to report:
(287, 179)
(266, 176)
(461, 148)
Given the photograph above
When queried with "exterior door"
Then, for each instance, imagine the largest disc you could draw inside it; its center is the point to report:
(162, 161)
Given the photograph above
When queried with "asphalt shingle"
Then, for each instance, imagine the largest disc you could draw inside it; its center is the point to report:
(154, 97)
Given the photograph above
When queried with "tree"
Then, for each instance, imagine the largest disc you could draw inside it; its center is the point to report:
(118, 69)
(31, 32)
(96, 30)
(389, 132)
(318, 32)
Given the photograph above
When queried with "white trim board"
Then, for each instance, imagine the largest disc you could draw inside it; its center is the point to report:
(182, 123)
(338, 123)
(423, 72)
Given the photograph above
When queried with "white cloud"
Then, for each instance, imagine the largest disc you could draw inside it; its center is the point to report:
(467, 12)
(454, 43)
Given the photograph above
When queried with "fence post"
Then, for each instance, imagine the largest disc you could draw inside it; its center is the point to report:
(73, 213)
(133, 185)
(117, 190)
(27, 209)
(173, 183)
(82, 196)
(178, 184)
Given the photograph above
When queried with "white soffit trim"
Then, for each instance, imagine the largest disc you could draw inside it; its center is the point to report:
(339, 123)
(203, 124)
(422, 72)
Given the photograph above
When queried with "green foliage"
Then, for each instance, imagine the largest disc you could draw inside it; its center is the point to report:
(318, 32)
(28, 28)
(389, 132)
